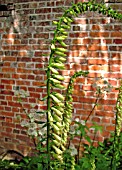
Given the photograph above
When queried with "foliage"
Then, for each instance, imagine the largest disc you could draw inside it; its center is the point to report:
(55, 154)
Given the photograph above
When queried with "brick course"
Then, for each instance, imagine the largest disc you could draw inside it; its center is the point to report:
(95, 44)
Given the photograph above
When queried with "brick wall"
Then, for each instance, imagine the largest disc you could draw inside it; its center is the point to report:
(95, 45)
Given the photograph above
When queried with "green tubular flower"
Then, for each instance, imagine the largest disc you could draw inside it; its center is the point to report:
(61, 38)
(59, 59)
(57, 111)
(65, 26)
(57, 118)
(67, 120)
(61, 49)
(57, 150)
(60, 108)
(55, 80)
(72, 12)
(64, 33)
(50, 117)
(58, 65)
(65, 20)
(57, 137)
(60, 97)
(63, 148)
(55, 128)
(54, 71)
(58, 157)
(69, 19)
(77, 9)
(58, 77)
(62, 43)
(55, 22)
(59, 124)
(59, 86)
(56, 142)
(55, 99)
(60, 53)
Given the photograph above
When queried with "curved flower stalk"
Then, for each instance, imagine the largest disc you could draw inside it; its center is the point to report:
(67, 116)
(58, 113)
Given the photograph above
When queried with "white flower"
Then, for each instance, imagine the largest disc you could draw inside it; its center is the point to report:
(72, 130)
(78, 132)
(73, 150)
(24, 123)
(32, 132)
(77, 120)
(82, 122)
(33, 125)
(44, 142)
(31, 115)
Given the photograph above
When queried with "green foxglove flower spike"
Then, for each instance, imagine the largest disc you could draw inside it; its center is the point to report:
(59, 120)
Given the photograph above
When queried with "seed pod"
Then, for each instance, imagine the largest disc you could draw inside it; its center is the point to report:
(57, 150)
(55, 22)
(54, 80)
(57, 118)
(60, 59)
(54, 71)
(57, 111)
(60, 53)
(59, 96)
(61, 49)
(62, 43)
(59, 77)
(52, 47)
(57, 137)
(55, 99)
(58, 65)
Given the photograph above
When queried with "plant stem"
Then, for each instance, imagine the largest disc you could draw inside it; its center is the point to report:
(48, 125)
(96, 102)
(79, 149)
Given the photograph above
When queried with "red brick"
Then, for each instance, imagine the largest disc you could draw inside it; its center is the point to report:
(96, 27)
(99, 34)
(110, 128)
(8, 69)
(78, 34)
(97, 61)
(116, 34)
(117, 41)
